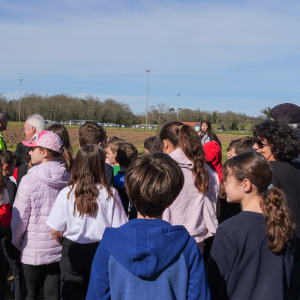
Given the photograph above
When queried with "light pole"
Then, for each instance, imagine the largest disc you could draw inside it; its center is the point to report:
(178, 106)
(147, 101)
(20, 103)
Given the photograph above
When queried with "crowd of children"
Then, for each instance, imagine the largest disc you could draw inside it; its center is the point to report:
(168, 224)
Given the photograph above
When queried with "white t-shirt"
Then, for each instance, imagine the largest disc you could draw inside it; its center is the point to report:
(86, 229)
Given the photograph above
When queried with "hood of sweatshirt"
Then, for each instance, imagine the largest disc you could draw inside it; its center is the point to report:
(179, 156)
(214, 156)
(53, 173)
(145, 247)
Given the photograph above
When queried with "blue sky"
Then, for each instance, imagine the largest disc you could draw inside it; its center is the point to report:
(223, 55)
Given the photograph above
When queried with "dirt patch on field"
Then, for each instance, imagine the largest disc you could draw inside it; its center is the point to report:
(15, 135)
(227, 138)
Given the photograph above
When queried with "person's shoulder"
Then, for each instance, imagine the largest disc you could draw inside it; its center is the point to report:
(110, 233)
(9, 183)
(108, 167)
(66, 190)
(21, 145)
(288, 166)
(245, 220)
(278, 164)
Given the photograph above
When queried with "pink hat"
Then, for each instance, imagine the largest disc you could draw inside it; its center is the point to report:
(46, 139)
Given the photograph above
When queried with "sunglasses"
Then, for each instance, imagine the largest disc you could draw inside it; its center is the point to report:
(259, 143)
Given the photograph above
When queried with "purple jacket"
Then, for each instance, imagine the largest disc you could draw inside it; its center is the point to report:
(36, 195)
(195, 211)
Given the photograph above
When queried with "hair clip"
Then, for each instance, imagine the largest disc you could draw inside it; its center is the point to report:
(270, 186)
(62, 148)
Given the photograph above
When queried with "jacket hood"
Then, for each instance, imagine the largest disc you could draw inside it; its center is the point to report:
(179, 156)
(214, 156)
(53, 173)
(145, 247)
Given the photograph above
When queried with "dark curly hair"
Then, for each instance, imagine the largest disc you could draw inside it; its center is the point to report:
(282, 139)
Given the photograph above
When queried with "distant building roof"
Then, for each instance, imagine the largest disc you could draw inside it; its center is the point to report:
(250, 121)
(190, 123)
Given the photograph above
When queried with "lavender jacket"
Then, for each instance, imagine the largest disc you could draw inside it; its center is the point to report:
(36, 195)
(195, 211)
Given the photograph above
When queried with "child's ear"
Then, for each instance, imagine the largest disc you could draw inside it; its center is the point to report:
(45, 153)
(5, 166)
(165, 146)
(247, 185)
(146, 151)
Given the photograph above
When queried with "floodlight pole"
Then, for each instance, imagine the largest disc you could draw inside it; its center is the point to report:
(178, 106)
(20, 103)
(148, 71)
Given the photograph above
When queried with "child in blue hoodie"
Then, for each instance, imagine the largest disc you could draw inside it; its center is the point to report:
(147, 258)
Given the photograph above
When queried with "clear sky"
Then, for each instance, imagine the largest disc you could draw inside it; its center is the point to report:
(223, 55)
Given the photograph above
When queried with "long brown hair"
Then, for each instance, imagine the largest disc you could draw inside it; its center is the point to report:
(254, 167)
(189, 141)
(87, 172)
(6, 157)
(63, 134)
(209, 129)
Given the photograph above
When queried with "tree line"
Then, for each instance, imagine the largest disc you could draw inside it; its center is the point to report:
(64, 107)
(161, 114)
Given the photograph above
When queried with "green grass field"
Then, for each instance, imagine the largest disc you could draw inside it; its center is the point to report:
(224, 152)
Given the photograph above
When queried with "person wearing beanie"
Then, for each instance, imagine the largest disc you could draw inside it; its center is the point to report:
(288, 113)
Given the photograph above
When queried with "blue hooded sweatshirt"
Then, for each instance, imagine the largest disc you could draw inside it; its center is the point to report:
(148, 259)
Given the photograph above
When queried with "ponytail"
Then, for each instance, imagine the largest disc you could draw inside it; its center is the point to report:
(280, 225)
(254, 167)
(67, 155)
(189, 141)
(67, 158)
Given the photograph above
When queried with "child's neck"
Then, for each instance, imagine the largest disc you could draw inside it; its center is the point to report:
(123, 169)
(139, 216)
(251, 203)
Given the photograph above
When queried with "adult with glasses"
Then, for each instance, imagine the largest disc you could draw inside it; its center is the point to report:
(33, 126)
(279, 144)
(3, 126)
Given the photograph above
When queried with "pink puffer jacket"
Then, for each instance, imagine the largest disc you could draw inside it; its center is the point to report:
(36, 195)
(195, 211)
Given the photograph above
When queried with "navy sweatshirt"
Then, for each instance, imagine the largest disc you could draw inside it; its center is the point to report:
(148, 259)
(286, 176)
(241, 265)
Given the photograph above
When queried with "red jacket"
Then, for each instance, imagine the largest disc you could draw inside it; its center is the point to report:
(5, 211)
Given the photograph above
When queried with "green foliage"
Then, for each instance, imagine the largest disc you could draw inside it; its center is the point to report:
(266, 111)
(214, 117)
